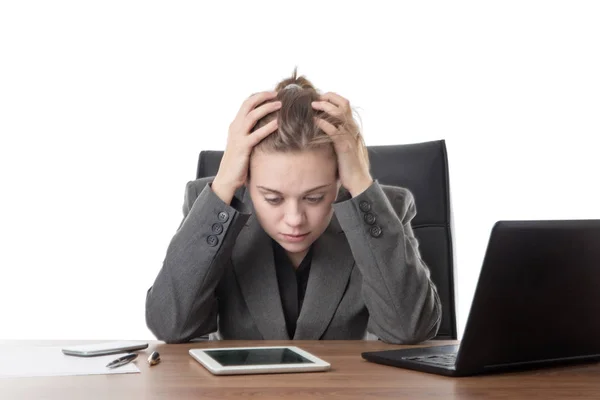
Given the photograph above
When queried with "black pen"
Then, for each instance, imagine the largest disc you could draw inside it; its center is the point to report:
(127, 358)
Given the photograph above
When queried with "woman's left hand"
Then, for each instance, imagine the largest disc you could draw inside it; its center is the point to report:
(352, 159)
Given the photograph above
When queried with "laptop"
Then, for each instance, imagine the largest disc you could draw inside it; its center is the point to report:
(537, 303)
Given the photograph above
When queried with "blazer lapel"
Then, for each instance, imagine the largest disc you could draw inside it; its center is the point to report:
(254, 267)
(330, 271)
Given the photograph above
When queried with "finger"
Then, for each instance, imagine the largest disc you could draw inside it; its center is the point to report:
(336, 99)
(328, 128)
(251, 102)
(258, 113)
(255, 137)
(329, 108)
(341, 142)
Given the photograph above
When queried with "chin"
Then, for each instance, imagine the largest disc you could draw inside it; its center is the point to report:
(293, 247)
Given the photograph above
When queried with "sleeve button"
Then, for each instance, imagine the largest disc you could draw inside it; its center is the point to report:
(212, 240)
(375, 231)
(370, 218)
(223, 216)
(217, 228)
(364, 206)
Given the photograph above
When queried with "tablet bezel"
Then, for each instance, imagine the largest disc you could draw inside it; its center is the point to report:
(217, 369)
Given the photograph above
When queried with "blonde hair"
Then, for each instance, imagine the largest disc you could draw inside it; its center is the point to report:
(297, 130)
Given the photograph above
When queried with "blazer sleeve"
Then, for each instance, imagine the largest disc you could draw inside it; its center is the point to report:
(181, 304)
(403, 303)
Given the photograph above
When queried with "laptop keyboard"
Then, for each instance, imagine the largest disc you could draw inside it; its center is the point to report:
(442, 360)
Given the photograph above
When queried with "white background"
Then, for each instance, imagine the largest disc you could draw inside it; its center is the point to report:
(104, 107)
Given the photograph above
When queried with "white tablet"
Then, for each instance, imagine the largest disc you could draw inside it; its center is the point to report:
(258, 360)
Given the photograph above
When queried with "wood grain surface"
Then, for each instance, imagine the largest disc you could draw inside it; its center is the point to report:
(179, 376)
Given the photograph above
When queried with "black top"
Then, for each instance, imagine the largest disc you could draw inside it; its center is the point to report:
(292, 284)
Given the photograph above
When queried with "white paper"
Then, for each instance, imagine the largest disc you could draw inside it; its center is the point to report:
(25, 361)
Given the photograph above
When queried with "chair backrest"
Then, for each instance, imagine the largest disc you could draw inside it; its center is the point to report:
(423, 169)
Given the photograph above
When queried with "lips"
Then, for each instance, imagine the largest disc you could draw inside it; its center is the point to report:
(294, 238)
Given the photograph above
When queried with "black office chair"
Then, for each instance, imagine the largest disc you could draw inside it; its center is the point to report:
(423, 169)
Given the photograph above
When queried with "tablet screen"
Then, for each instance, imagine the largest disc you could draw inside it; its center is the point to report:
(257, 357)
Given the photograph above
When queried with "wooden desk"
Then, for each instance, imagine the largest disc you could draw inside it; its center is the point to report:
(178, 376)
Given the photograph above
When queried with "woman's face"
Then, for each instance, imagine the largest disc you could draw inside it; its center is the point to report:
(292, 195)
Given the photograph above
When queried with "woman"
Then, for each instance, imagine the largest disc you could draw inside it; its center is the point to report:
(293, 239)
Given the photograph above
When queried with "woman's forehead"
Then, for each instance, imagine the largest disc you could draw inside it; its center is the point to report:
(309, 160)
(299, 171)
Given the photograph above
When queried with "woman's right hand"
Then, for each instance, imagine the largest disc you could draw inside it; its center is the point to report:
(233, 170)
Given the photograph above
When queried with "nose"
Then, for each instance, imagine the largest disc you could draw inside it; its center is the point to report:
(294, 216)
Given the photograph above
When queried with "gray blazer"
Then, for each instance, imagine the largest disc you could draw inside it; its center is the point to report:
(366, 274)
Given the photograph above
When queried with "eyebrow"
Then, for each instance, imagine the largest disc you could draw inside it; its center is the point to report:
(278, 192)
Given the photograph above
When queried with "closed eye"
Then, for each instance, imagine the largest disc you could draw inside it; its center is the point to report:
(273, 200)
(278, 200)
(314, 200)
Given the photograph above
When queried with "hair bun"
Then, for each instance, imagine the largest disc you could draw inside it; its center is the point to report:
(295, 82)
(292, 86)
